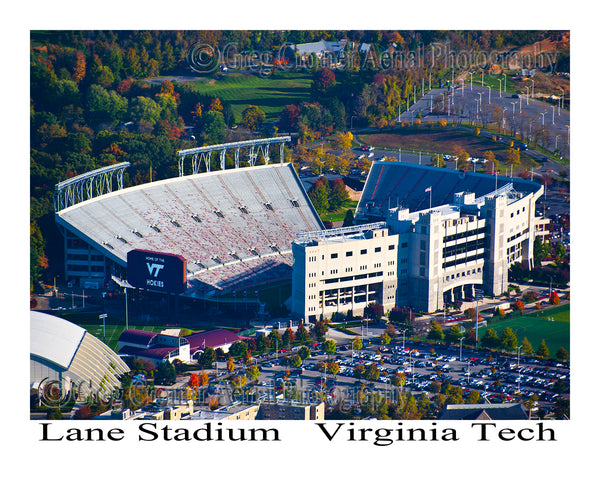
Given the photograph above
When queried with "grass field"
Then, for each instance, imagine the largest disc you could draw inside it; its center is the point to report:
(114, 331)
(555, 332)
(339, 215)
(442, 140)
(270, 94)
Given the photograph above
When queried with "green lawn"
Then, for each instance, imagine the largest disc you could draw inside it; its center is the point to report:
(270, 94)
(339, 215)
(538, 326)
(114, 331)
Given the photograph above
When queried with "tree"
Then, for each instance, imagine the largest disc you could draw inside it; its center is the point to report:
(329, 347)
(372, 372)
(527, 348)
(338, 195)
(302, 334)
(489, 156)
(288, 337)
(203, 378)
(253, 373)
(359, 371)
(513, 157)
(385, 338)
(230, 364)
(562, 354)
(333, 368)
(319, 197)
(207, 357)
(165, 374)
(194, 380)
(304, 352)
(343, 140)
(453, 335)
(319, 329)
(473, 397)
(349, 218)
(542, 350)
(357, 343)
(374, 311)
(275, 339)
(399, 379)
(435, 332)
(490, 339)
(238, 349)
(253, 118)
(323, 81)
(261, 342)
(144, 109)
(508, 340)
(214, 129)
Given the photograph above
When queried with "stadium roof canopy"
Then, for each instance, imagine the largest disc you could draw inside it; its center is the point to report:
(232, 226)
(397, 184)
(60, 349)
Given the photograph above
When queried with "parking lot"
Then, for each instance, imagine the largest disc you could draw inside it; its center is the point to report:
(498, 378)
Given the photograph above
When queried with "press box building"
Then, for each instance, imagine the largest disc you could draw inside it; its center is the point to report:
(477, 227)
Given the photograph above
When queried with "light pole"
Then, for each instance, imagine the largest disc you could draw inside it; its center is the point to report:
(518, 358)
(403, 332)
(126, 311)
(460, 354)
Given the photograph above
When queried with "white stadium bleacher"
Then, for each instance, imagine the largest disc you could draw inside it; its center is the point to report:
(232, 226)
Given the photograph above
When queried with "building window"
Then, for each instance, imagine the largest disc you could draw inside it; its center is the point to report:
(391, 247)
(334, 255)
(377, 249)
(363, 252)
(348, 254)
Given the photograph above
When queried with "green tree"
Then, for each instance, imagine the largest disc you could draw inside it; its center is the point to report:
(453, 335)
(435, 332)
(357, 343)
(385, 338)
(319, 197)
(275, 339)
(329, 347)
(302, 334)
(490, 339)
(349, 218)
(304, 352)
(214, 129)
(144, 109)
(207, 357)
(252, 372)
(238, 349)
(542, 350)
(165, 374)
(508, 340)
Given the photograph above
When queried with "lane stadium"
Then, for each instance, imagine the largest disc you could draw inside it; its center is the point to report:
(234, 229)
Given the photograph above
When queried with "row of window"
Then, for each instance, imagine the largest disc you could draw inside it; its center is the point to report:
(468, 233)
(464, 247)
(460, 261)
(466, 273)
(350, 253)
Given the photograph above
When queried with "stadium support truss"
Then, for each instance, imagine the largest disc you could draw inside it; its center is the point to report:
(256, 147)
(88, 185)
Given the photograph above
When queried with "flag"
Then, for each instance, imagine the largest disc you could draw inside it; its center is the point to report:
(428, 189)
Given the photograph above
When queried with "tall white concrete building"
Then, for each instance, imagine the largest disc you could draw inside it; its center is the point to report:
(477, 227)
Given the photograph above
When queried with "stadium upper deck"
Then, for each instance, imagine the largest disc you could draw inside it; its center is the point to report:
(233, 226)
(392, 184)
